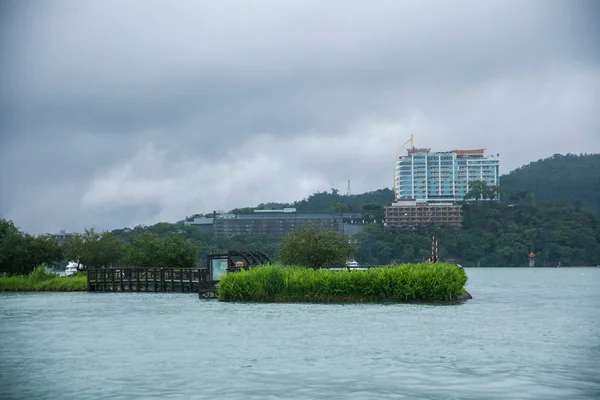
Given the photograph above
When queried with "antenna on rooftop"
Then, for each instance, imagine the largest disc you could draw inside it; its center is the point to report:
(348, 193)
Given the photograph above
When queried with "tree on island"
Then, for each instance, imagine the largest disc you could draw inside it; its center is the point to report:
(311, 246)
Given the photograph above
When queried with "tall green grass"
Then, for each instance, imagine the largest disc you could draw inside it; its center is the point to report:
(41, 280)
(403, 283)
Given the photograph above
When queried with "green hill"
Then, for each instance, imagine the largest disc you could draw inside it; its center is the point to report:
(574, 179)
(370, 203)
(554, 223)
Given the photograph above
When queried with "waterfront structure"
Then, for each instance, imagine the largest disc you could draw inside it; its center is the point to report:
(531, 258)
(442, 177)
(410, 214)
(275, 222)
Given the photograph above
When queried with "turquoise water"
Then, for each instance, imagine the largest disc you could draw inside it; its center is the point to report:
(527, 334)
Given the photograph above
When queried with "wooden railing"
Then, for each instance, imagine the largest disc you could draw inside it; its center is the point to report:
(190, 280)
(147, 280)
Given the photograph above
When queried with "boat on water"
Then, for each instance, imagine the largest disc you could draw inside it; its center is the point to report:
(351, 263)
(71, 268)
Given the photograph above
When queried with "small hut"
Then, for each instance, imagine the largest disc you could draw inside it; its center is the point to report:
(531, 257)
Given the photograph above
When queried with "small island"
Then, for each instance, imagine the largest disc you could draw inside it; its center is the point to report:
(407, 283)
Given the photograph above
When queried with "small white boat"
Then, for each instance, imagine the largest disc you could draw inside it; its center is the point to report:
(71, 268)
(351, 265)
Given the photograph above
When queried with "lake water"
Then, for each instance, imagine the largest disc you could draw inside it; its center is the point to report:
(527, 334)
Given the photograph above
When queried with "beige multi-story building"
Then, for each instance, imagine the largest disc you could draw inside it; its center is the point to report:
(410, 214)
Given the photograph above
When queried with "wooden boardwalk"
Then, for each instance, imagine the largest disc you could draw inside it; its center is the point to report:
(183, 280)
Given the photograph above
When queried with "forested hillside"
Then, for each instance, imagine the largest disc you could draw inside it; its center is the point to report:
(533, 218)
(548, 208)
(493, 235)
(572, 178)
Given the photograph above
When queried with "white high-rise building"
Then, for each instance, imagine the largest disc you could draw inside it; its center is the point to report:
(443, 177)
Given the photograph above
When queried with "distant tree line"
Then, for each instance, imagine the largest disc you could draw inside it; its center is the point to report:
(493, 235)
(549, 207)
(20, 252)
(572, 178)
(159, 246)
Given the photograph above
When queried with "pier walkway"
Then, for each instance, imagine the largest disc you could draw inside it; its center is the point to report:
(183, 280)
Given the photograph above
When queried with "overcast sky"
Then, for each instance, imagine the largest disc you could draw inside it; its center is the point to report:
(118, 113)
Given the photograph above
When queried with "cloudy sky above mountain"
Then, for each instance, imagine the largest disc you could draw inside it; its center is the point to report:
(117, 113)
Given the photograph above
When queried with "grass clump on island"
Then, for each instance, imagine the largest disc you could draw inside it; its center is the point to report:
(438, 282)
(40, 280)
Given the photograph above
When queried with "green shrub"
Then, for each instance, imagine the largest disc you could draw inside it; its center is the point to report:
(40, 273)
(42, 280)
(402, 283)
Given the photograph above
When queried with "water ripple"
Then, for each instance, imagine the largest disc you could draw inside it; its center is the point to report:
(527, 334)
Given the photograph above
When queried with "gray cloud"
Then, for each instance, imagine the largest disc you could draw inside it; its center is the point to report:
(118, 113)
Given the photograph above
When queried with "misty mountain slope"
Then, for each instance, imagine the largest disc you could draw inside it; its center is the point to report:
(572, 178)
